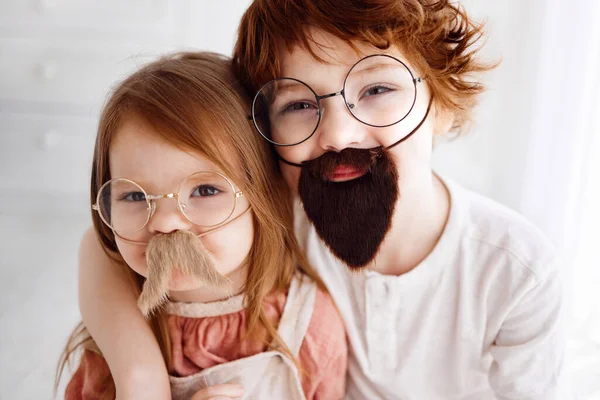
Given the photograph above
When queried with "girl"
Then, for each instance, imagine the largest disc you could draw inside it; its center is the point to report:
(186, 199)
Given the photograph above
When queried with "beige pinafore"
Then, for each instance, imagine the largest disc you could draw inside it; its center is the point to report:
(264, 376)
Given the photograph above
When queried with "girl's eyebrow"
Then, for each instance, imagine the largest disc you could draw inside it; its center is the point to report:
(145, 184)
(140, 182)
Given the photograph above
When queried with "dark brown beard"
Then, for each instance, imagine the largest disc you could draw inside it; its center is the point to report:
(178, 251)
(351, 217)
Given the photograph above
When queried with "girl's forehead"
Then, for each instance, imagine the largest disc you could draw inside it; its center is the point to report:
(137, 152)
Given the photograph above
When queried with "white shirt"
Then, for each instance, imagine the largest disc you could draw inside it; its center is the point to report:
(480, 318)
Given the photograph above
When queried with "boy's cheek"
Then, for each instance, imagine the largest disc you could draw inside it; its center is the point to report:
(291, 175)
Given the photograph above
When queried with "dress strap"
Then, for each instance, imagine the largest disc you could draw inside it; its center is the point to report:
(297, 312)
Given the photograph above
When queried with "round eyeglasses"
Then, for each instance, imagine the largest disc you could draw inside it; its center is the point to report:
(379, 91)
(206, 199)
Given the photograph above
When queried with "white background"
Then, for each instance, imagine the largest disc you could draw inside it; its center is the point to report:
(58, 59)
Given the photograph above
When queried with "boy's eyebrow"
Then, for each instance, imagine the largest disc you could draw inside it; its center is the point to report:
(290, 86)
(375, 67)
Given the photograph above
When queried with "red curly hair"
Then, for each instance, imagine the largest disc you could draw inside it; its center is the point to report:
(438, 38)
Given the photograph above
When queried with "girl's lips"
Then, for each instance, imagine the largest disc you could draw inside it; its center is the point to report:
(344, 173)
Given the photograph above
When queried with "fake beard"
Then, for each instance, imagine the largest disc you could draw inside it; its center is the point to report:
(180, 251)
(351, 217)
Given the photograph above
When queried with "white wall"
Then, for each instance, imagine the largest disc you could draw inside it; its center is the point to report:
(491, 158)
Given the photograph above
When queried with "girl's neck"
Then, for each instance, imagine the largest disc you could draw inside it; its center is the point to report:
(419, 220)
(206, 294)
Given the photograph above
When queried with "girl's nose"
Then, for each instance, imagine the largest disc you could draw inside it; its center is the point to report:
(167, 217)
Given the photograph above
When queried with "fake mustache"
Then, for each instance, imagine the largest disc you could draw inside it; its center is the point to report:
(180, 251)
(361, 159)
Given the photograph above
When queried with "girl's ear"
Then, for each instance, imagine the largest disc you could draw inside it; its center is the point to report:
(443, 120)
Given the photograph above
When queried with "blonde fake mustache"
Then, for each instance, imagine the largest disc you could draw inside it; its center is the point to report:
(180, 251)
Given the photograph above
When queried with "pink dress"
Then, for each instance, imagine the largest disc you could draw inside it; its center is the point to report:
(207, 348)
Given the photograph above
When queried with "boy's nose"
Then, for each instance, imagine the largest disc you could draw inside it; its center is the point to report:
(338, 129)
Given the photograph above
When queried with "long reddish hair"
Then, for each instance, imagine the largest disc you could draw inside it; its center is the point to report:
(438, 38)
(195, 102)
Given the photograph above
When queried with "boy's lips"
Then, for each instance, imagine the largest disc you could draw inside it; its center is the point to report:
(344, 173)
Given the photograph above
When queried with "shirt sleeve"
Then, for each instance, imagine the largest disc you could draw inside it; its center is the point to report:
(528, 353)
(92, 380)
(324, 352)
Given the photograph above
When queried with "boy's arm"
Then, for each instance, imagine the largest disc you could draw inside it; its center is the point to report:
(110, 313)
(529, 349)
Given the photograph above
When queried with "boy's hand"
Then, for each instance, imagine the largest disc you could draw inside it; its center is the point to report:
(220, 392)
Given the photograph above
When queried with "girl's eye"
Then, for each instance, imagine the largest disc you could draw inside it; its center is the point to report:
(375, 90)
(205, 191)
(133, 197)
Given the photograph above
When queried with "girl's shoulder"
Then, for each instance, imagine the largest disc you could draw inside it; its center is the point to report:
(324, 351)
(326, 323)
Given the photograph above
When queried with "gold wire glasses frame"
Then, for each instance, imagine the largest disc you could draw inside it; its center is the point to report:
(150, 200)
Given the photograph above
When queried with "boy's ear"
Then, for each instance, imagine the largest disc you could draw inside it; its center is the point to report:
(443, 120)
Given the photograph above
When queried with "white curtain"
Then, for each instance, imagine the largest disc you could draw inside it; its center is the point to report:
(562, 179)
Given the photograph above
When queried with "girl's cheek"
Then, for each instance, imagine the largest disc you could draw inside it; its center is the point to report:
(231, 246)
(134, 256)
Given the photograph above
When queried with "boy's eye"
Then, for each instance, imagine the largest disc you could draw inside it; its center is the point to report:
(133, 197)
(205, 191)
(298, 106)
(376, 90)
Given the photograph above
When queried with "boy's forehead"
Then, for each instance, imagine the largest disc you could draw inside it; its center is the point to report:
(330, 49)
(336, 55)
